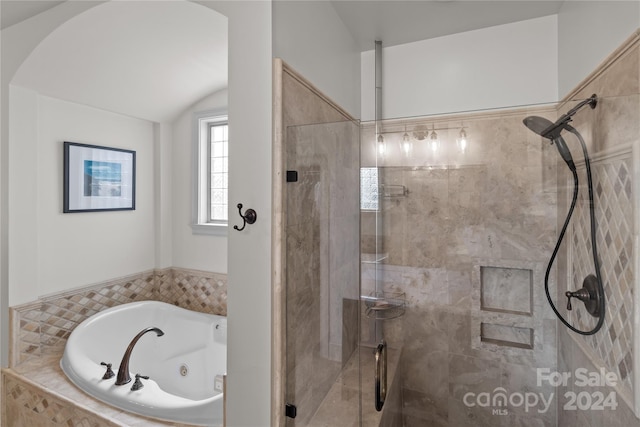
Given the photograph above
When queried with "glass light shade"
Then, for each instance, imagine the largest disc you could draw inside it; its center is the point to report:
(407, 145)
(462, 141)
(434, 141)
(381, 145)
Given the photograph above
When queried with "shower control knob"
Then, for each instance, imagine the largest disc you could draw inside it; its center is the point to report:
(582, 294)
(588, 294)
(109, 373)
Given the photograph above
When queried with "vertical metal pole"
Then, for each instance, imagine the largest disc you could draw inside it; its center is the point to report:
(379, 220)
(378, 79)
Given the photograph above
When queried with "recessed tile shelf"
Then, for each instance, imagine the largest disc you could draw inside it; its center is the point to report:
(506, 290)
(508, 336)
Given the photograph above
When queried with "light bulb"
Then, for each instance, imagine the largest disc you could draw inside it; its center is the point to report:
(407, 145)
(381, 145)
(434, 142)
(462, 141)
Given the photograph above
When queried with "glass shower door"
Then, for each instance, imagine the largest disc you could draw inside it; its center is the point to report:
(322, 274)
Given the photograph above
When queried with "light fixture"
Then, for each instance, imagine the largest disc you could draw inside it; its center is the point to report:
(407, 145)
(462, 141)
(434, 141)
(420, 132)
(381, 145)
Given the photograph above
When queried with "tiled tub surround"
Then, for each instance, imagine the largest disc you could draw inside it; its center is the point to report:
(34, 384)
(612, 133)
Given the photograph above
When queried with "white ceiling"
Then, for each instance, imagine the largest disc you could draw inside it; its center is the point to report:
(14, 11)
(149, 60)
(397, 22)
(152, 59)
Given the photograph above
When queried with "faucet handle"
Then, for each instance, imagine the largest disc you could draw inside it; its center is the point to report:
(109, 373)
(137, 385)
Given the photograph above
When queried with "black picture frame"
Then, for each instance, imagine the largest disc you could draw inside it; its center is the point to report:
(98, 178)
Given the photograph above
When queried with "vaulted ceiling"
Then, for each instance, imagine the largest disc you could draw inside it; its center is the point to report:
(152, 59)
(149, 60)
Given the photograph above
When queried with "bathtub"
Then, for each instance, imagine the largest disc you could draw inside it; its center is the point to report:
(185, 365)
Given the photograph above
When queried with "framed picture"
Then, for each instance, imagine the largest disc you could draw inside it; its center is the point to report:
(98, 178)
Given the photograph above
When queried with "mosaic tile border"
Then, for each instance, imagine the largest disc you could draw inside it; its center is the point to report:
(40, 397)
(42, 327)
(29, 405)
(614, 203)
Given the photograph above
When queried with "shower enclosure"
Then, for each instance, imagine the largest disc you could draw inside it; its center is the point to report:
(456, 217)
(415, 260)
(322, 274)
(416, 255)
(460, 232)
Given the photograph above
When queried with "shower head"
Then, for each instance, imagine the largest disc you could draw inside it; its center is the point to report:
(547, 129)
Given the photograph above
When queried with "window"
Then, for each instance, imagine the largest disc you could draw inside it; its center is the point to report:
(211, 173)
(219, 174)
(369, 189)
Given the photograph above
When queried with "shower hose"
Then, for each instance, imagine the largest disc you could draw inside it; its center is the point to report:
(594, 247)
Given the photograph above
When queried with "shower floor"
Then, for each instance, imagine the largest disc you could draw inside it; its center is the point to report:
(341, 405)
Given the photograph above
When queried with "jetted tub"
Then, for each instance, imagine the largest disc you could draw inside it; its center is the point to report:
(185, 365)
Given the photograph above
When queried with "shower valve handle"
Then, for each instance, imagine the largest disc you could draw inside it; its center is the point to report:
(582, 294)
(590, 295)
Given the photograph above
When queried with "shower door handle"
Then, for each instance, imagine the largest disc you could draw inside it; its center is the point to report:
(381, 375)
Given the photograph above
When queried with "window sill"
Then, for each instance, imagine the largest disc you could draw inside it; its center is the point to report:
(210, 229)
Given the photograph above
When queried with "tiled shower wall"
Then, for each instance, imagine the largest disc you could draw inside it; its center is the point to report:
(473, 224)
(42, 327)
(466, 215)
(317, 274)
(612, 133)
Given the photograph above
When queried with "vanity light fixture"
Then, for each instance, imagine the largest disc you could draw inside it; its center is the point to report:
(421, 132)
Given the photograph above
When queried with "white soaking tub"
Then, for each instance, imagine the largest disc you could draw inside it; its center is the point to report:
(184, 366)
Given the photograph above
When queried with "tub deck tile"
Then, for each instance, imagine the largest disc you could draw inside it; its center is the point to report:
(54, 401)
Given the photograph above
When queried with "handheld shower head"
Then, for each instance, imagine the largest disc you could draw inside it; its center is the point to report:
(546, 129)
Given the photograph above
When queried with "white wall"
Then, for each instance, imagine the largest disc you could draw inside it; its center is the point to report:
(249, 295)
(249, 251)
(200, 252)
(17, 42)
(311, 38)
(588, 31)
(51, 251)
(249, 269)
(501, 66)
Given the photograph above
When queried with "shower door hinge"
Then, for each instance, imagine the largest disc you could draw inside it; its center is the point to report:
(290, 410)
(292, 176)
